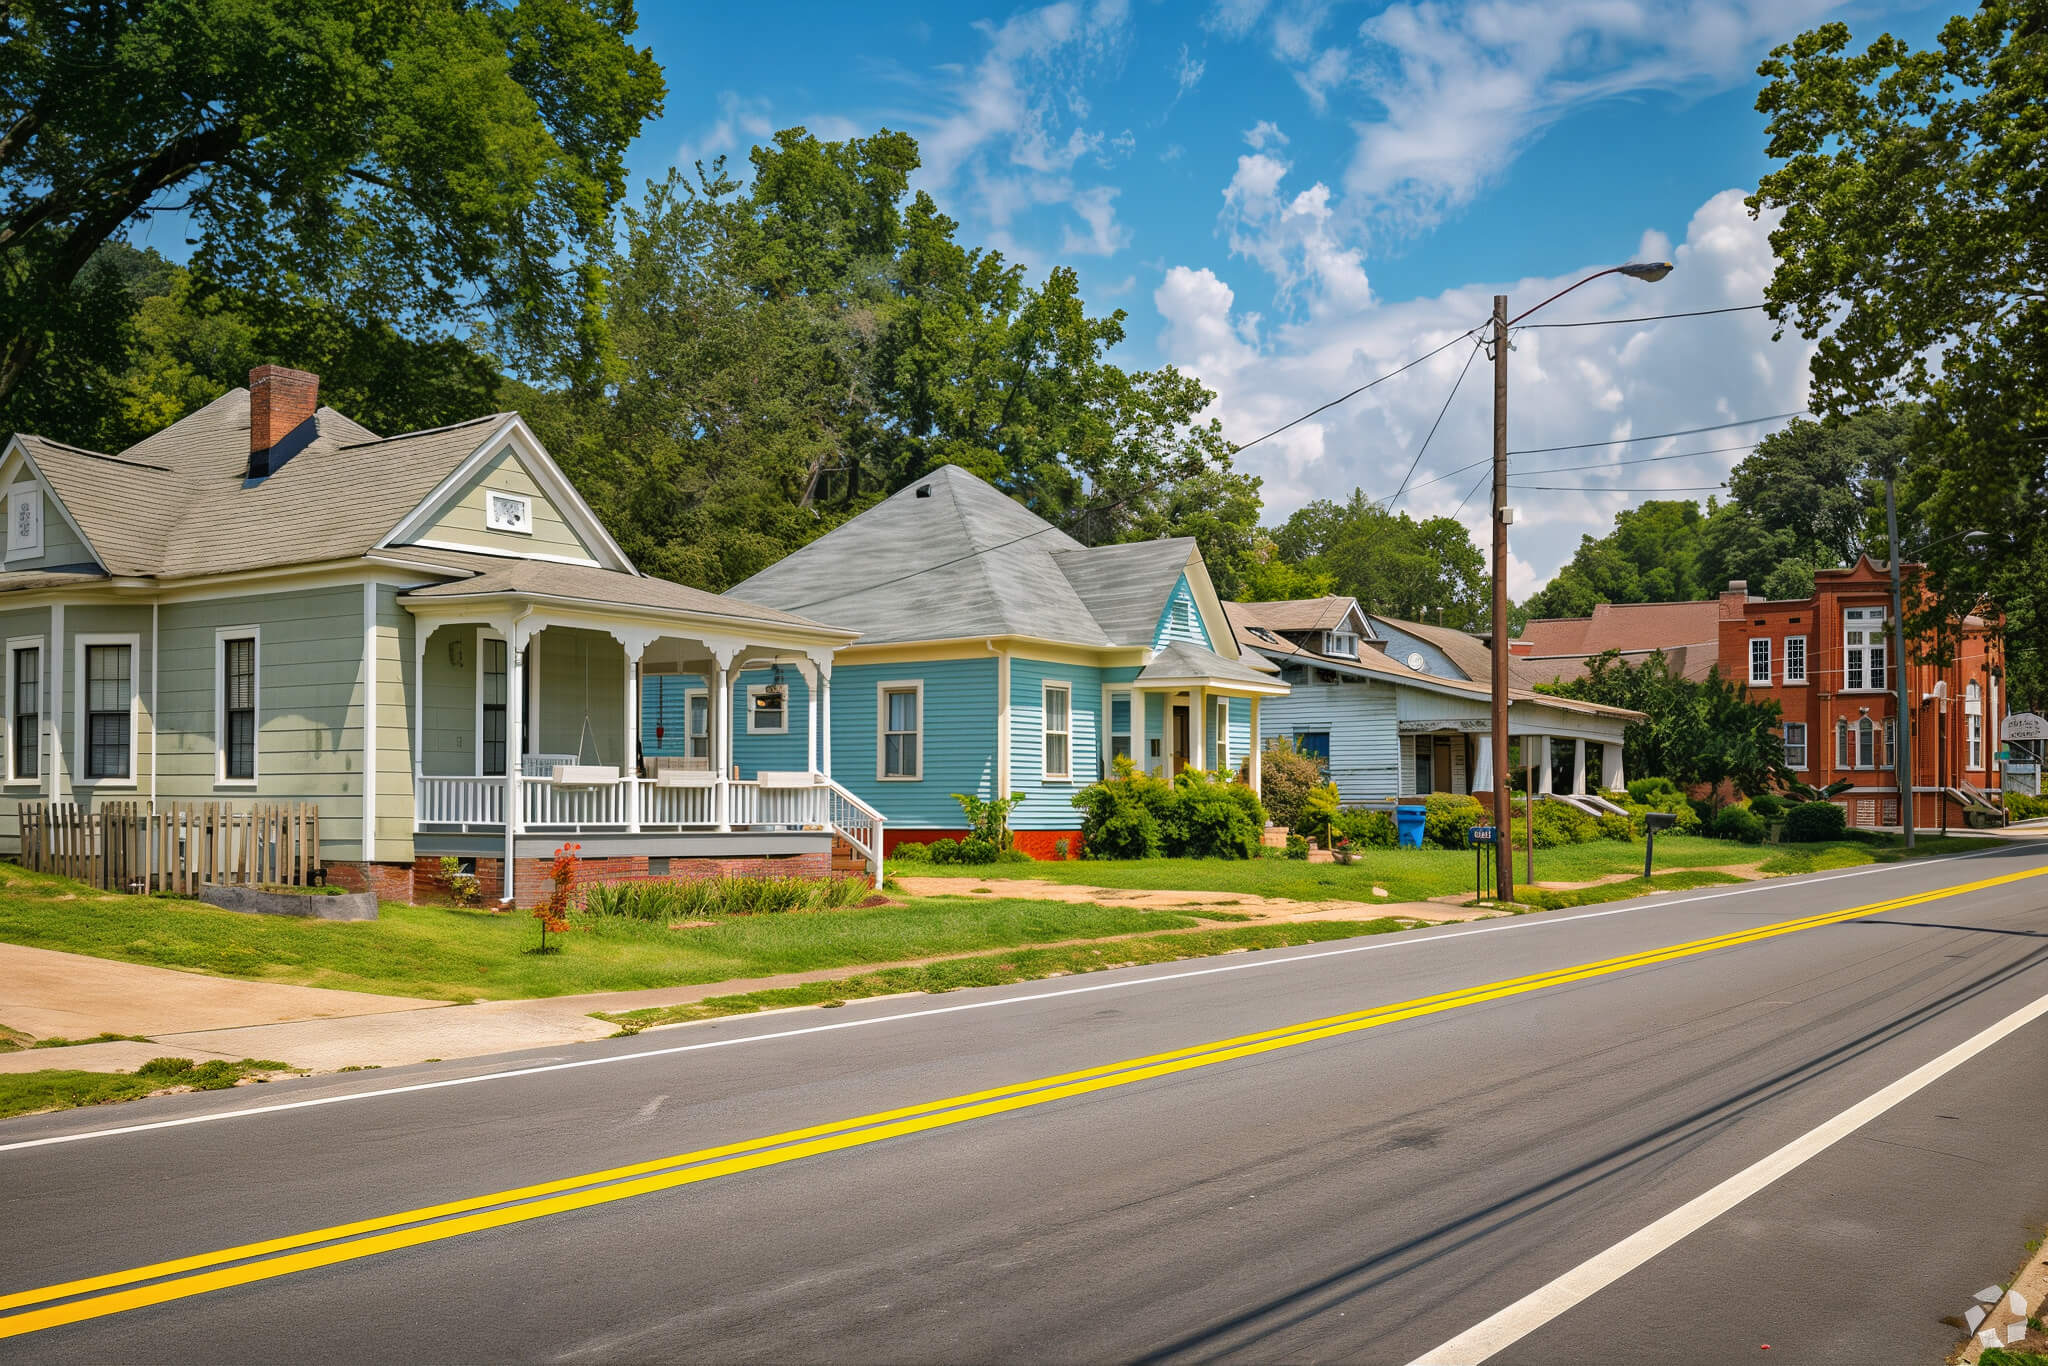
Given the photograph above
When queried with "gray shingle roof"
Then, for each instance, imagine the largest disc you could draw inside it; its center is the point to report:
(1125, 586)
(494, 574)
(1183, 660)
(948, 556)
(1468, 652)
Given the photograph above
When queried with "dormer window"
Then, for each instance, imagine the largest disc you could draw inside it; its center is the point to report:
(511, 512)
(1341, 643)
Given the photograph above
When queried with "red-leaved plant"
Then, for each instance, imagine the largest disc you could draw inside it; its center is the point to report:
(553, 913)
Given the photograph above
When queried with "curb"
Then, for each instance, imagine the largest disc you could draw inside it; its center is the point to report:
(1990, 1322)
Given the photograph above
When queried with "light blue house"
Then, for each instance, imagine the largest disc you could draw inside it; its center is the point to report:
(996, 655)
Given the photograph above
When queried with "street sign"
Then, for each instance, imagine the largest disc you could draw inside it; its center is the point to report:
(1483, 834)
(2024, 725)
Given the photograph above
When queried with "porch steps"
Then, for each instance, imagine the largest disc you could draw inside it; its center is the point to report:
(846, 861)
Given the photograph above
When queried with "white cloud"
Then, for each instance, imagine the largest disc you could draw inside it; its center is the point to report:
(1295, 238)
(1187, 73)
(1568, 385)
(741, 123)
(1264, 133)
(1097, 209)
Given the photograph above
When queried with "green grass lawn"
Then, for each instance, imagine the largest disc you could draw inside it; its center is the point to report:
(1417, 874)
(459, 955)
(26, 1093)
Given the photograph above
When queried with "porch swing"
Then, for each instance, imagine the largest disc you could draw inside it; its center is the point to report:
(581, 774)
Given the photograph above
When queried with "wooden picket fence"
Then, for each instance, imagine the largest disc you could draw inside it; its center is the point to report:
(125, 846)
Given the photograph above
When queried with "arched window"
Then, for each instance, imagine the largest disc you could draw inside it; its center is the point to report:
(1866, 743)
(1973, 720)
(1842, 759)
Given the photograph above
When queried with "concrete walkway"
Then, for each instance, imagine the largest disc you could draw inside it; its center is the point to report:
(1271, 909)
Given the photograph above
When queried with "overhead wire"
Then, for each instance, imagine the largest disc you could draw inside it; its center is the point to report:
(1402, 370)
(1659, 436)
(1648, 317)
(1424, 447)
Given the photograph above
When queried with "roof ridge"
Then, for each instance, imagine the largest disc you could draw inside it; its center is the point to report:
(424, 431)
(102, 455)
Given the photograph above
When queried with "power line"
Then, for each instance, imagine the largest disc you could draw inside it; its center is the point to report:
(1359, 390)
(1601, 488)
(1650, 317)
(1659, 436)
(1639, 460)
(1474, 489)
(1469, 356)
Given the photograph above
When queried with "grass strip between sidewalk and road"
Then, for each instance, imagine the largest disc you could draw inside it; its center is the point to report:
(999, 969)
(41, 1308)
(31, 1093)
(1539, 899)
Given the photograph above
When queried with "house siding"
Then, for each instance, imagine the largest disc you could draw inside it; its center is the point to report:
(959, 739)
(1180, 621)
(579, 678)
(463, 522)
(1400, 644)
(448, 745)
(1049, 805)
(666, 708)
(61, 546)
(1363, 723)
(393, 641)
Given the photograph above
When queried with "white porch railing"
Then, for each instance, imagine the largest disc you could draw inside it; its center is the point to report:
(782, 801)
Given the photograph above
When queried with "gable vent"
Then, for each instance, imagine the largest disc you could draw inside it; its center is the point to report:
(924, 491)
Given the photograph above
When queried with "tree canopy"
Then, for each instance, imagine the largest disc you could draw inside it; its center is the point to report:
(1913, 246)
(1705, 732)
(443, 166)
(1391, 563)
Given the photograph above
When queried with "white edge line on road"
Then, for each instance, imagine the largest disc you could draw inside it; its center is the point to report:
(1532, 1311)
(1122, 983)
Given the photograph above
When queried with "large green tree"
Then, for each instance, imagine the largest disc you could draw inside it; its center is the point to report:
(1652, 555)
(788, 351)
(1709, 731)
(1390, 562)
(1913, 247)
(437, 165)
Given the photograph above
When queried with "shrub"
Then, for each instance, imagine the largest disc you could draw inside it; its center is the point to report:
(1739, 823)
(1558, 823)
(910, 851)
(1702, 811)
(1768, 805)
(1812, 822)
(664, 900)
(1367, 829)
(975, 849)
(1062, 849)
(1654, 792)
(1447, 816)
(462, 887)
(987, 821)
(1297, 847)
(2024, 807)
(945, 851)
(1615, 825)
(1212, 818)
(1286, 777)
(1319, 812)
(1119, 816)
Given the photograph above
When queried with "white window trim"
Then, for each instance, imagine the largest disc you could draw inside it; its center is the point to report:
(1333, 644)
(882, 691)
(787, 695)
(1973, 731)
(477, 708)
(1219, 721)
(1132, 727)
(1804, 756)
(491, 522)
(1878, 626)
(29, 489)
(1765, 681)
(221, 636)
(78, 645)
(1804, 663)
(35, 643)
(690, 695)
(1046, 771)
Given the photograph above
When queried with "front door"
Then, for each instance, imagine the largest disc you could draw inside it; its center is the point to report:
(1183, 736)
(1443, 764)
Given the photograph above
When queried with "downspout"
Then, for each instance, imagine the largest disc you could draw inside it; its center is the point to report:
(515, 740)
(155, 749)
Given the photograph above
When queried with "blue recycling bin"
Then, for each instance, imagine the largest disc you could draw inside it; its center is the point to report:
(1408, 826)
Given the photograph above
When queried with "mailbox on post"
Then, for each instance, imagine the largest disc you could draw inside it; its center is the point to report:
(1482, 838)
(1653, 821)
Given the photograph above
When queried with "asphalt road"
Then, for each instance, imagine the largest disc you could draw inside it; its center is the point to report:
(1365, 1192)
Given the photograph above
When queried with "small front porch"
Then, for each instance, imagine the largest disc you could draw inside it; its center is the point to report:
(533, 732)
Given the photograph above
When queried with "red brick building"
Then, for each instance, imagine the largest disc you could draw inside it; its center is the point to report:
(1827, 661)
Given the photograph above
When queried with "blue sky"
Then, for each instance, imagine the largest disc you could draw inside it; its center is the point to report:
(1291, 197)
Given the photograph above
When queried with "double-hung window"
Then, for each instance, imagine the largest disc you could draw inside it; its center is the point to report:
(1119, 729)
(491, 693)
(1344, 644)
(1219, 723)
(1059, 731)
(1760, 663)
(697, 720)
(1795, 659)
(1973, 717)
(1866, 744)
(109, 712)
(1863, 649)
(25, 701)
(1843, 757)
(1795, 746)
(767, 709)
(1891, 739)
(236, 724)
(902, 708)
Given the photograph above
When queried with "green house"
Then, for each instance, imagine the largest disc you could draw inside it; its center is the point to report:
(417, 635)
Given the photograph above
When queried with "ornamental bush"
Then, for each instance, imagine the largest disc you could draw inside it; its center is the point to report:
(2024, 807)
(1367, 829)
(1655, 792)
(1212, 818)
(1614, 825)
(1812, 822)
(1768, 805)
(1558, 823)
(1737, 822)
(1446, 818)
(1287, 775)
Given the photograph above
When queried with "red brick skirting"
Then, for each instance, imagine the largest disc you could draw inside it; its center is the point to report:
(1039, 844)
(532, 882)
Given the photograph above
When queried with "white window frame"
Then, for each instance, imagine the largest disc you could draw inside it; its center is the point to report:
(752, 689)
(1797, 747)
(1341, 643)
(690, 696)
(1845, 744)
(1792, 678)
(1887, 737)
(1975, 730)
(28, 550)
(1045, 732)
(1219, 730)
(36, 643)
(477, 709)
(78, 644)
(492, 522)
(1132, 725)
(1857, 658)
(1863, 740)
(1760, 656)
(882, 731)
(221, 636)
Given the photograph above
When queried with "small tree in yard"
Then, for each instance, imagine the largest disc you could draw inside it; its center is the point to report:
(1287, 776)
(553, 913)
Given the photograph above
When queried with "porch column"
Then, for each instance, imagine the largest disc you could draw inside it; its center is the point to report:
(517, 633)
(1578, 768)
(825, 715)
(634, 645)
(1257, 761)
(1541, 761)
(422, 632)
(810, 677)
(1198, 735)
(1610, 766)
(1482, 766)
(721, 734)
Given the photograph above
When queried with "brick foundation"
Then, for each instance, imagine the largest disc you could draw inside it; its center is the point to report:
(531, 882)
(1044, 844)
(390, 881)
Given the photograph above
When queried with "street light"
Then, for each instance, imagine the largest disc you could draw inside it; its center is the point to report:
(1650, 272)
(1902, 762)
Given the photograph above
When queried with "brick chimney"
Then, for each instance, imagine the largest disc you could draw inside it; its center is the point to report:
(1735, 602)
(280, 402)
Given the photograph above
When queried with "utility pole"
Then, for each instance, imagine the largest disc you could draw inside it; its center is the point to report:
(1902, 762)
(1503, 808)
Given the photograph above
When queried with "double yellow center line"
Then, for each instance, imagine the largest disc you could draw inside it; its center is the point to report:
(118, 1292)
